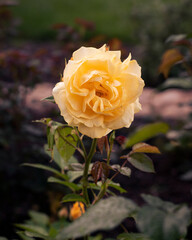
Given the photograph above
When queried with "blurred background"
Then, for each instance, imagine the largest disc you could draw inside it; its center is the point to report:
(35, 39)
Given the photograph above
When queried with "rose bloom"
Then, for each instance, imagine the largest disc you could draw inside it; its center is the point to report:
(98, 92)
(77, 210)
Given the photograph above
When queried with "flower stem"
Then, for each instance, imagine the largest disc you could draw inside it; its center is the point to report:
(81, 142)
(86, 169)
(101, 193)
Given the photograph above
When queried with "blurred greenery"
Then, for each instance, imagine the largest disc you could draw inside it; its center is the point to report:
(123, 19)
(146, 26)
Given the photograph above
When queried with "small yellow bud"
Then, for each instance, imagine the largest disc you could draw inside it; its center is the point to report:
(77, 210)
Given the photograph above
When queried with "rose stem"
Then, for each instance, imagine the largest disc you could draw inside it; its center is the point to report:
(86, 169)
(105, 184)
(81, 143)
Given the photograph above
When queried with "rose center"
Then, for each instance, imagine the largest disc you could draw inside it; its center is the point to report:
(101, 91)
(100, 94)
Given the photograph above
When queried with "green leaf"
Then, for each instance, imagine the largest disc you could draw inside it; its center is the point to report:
(39, 218)
(62, 164)
(141, 162)
(123, 170)
(61, 135)
(104, 215)
(184, 83)
(23, 236)
(94, 186)
(187, 176)
(72, 186)
(112, 137)
(50, 138)
(36, 230)
(132, 236)
(45, 121)
(97, 237)
(117, 187)
(176, 37)
(76, 167)
(3, 238)
(40, 166)
(56, 227)
(163, 220)
(49, 99)
(158, 203)
(145, 148)
(73, 198)
(145, 133)
(73, 175)
(111, 184)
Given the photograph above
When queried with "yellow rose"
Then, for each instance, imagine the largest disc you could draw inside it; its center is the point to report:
(98, 92)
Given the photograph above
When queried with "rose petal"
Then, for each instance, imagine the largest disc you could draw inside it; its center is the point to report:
(94, 132)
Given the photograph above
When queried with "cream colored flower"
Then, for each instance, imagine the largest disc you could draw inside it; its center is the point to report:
(98, 92)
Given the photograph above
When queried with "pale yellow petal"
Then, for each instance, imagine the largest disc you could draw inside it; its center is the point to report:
(133, 68)
(132, 86)
(87, 52)
(127, 60)
(124, 120)
(137, 106)
(94, 132)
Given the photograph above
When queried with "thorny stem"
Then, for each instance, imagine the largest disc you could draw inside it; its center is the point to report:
(101, 193)
(109, 153)
(123, 227)
(86, 169)
(81, 143)
(86, 237)
(118, 171)
(105, 184)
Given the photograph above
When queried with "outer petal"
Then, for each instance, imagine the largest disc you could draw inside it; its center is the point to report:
(59, 96)
(94, 132)
(123, 121)
(134, 68)
(137, 106)
(87, 52)
(70, 70)
(59, 93)
(132, 86)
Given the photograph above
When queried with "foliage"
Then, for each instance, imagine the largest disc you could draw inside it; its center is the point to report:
(8, 22)
(176, 65)
(171, 221)
(157, 220)
(131, 15)
(146, 132)
(151, 31)
(163, 218)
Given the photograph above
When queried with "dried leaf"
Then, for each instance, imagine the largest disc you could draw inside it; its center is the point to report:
(100, 144)
(145, 148)
(100, 170)
(170, 57)
(96, 171)
(105, 172)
